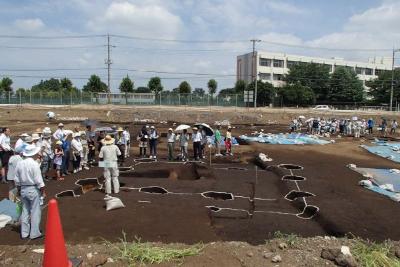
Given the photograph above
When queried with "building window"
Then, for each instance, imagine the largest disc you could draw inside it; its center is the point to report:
(278, 77)
(368, 71)
(291, 63)
(278, 63)
(359, 70)
(265, 76)
(266, 62)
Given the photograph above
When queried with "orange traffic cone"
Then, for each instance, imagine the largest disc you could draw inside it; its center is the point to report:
(55, 252)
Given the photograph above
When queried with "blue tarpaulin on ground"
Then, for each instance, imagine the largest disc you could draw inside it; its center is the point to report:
(384, 149)
(381, 180)
(285, 139)
(9, 208)
(222, 143)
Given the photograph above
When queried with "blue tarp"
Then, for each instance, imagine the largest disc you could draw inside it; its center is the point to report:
(222, 143)
(9, 208)
(386, 150)
(380, 177)
(285, 139)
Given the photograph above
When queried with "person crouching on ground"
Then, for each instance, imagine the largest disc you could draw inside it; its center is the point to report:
(171, 143)
(184, 142)
(196, 137)
(109, 154)
(31, 188)
(153, 142)
(228, 141)
(58, 159)
(77, 149)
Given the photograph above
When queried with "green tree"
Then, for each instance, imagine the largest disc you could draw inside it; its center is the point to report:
(143, 89)
(212, 86)
(227, 91)
(155, 85)
(95, 85)
(199, 91)
(5, 85)
(345, 86)
(20, 92)
(265, 92)
(240, 86)
(312, 75)
(67, 86)
(380, 87)
(47, 86)
(127, 85)
(296, 94)
(185, 88)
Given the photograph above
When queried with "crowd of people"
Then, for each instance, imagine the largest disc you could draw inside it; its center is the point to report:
(25, 166)
(346, 127)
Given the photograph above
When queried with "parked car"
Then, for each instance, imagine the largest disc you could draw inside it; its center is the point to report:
(322, 107)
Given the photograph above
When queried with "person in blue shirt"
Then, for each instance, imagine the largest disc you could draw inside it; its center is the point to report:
(66, 146)
(370, 125)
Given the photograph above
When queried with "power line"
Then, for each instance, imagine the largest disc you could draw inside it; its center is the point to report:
(3, 36)
(50, 47)
(55, 69)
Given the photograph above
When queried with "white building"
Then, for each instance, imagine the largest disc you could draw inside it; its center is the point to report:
(272, 66)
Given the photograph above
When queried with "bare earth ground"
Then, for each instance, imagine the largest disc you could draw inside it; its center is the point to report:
(344, 207)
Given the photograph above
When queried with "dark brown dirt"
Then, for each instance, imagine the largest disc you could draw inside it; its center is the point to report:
(344, 207)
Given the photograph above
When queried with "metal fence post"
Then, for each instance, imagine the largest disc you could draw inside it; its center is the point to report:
(20, 99)
(179, 99)
(80, 93)
(217, 100)
(61, 97)
(9, 97)
(40, 97)
(70, 96)
(236, 102)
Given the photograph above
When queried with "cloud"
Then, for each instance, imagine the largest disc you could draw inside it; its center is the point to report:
(285, 38)
(284, 7)
(29, 24)
(145, 21)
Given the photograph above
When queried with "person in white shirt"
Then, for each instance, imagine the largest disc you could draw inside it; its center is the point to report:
(196, 137)
(393, 127)
(5, 152)
(153, 142)
(171, 138)
(184, 142)
(12, 165)
(46, 154)
(127, 137)
(59, 133)
(108, 155)
(29, 182)
(121, 143)
(77, 151)
(20, 140)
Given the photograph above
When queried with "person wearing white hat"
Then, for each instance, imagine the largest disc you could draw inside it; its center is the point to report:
(171, 137)
(60, 132)
(77, 151)
(153, 142)
(108, 156)
(31, 187)
(196, 137)
(46, 154)
(20, 140)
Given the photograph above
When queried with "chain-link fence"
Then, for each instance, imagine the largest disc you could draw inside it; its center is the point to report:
(79, 97)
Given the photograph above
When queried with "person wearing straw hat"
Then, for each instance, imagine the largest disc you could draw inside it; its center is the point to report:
(5, 152)
(60, 132)
(196, 137)
(108, 156)
(31, 188)
(171, 138)
(121, 143)
(77, 150)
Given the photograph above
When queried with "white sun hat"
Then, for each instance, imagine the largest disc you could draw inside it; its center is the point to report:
(30, 150)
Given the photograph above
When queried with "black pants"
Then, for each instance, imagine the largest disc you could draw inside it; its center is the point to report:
(142, 151)
(153, 147)
(76, 162)
(121, 158)
(197, 150)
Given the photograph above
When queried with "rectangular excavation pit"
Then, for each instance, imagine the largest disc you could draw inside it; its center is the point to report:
(288, 166)
(153, 190)
(89, 184)
(66, 193)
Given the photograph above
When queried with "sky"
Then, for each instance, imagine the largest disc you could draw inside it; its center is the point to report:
(193, 40)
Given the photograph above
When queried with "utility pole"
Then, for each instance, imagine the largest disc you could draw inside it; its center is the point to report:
(392, 83)
(108, 62)
(254, 72)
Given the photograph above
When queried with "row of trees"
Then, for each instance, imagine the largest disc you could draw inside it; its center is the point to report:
(305, 84)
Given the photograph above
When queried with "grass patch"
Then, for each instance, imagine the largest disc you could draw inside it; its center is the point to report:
(371, 254)
(290, 239)
(137, 252)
